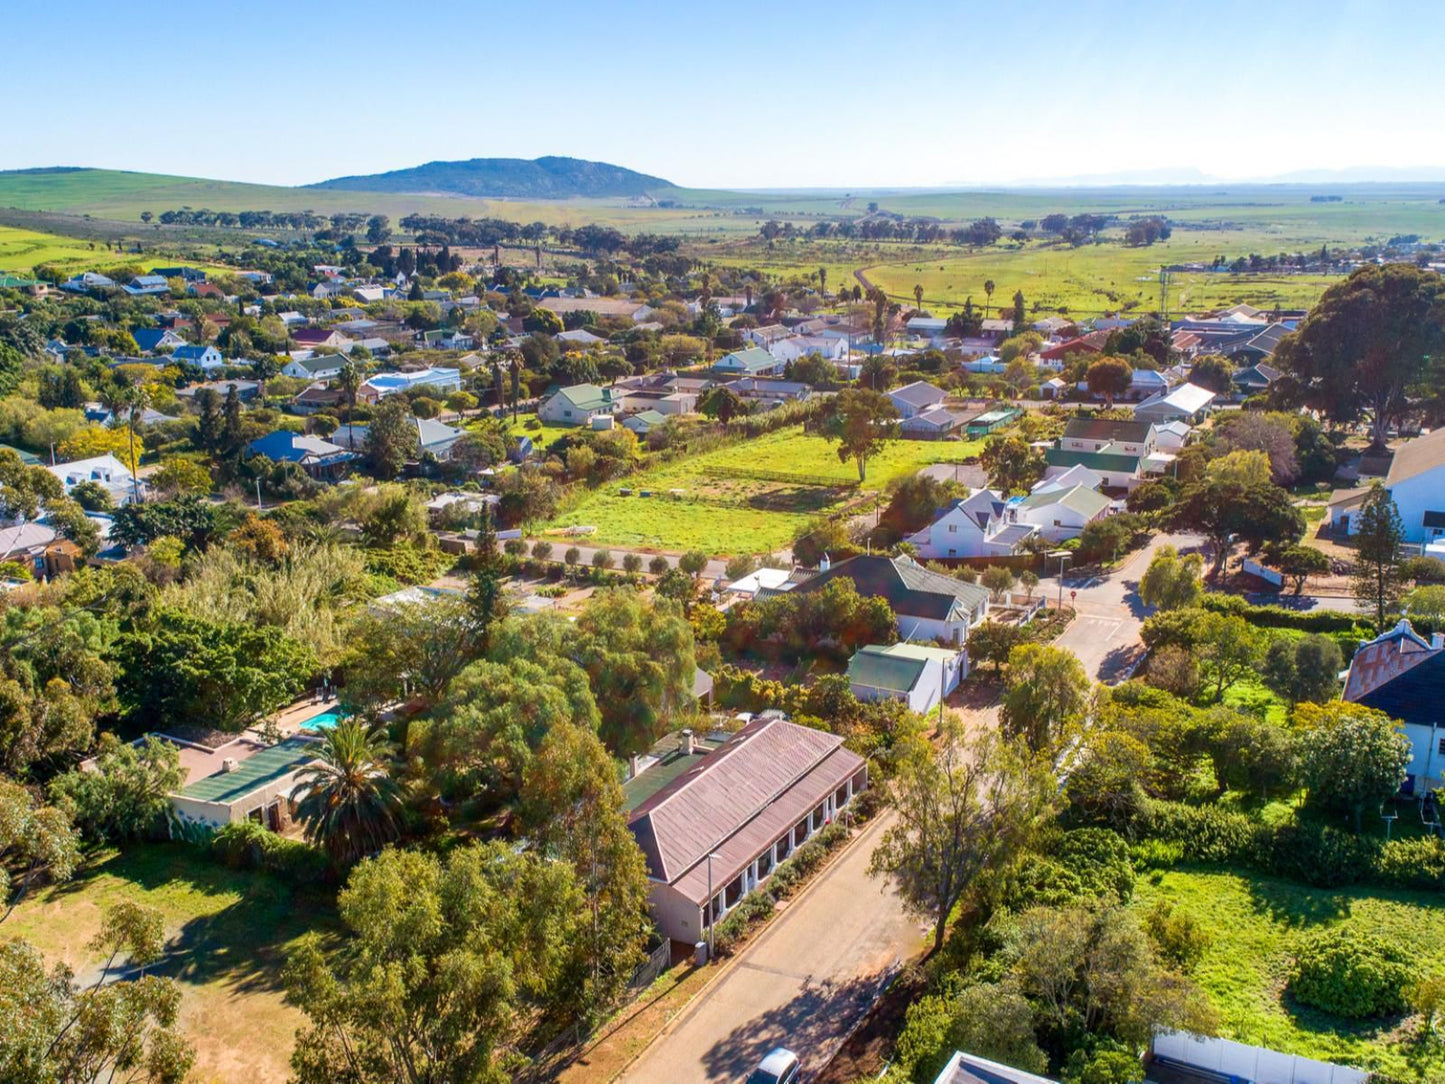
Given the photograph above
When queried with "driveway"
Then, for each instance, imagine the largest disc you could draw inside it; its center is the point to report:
(804, 983)
(1108, 613)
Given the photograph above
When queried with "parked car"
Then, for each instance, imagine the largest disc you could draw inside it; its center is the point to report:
(779, 1067)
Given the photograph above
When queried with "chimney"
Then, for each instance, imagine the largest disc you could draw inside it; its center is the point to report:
(634, 766)
(229, 764)
(825, 564)
(685, 744)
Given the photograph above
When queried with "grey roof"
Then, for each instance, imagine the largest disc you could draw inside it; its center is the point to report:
(1125, 432)
(919, 394)
(1416, 457)
(1081, 499)
(909, 589)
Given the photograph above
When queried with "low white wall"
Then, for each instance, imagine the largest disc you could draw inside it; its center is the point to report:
(1254, 1063)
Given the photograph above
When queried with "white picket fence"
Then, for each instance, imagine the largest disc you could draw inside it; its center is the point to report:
(1252, 1063)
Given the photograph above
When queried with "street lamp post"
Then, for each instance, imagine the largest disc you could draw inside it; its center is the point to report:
(1063, 556)
(711, 907)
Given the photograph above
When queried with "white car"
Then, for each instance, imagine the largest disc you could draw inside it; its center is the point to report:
(779, 1067)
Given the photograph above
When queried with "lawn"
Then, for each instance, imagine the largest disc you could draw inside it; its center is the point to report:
(1254, 921)
(227, 933)
(747, 498)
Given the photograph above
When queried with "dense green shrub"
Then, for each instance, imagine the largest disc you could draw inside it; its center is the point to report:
(1281, 617)
(1177, 935)
(1350, 974)
(1099, 857)
(248, 845)
(751, 909)
(1412, 863)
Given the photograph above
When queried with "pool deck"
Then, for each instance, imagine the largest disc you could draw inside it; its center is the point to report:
(289, 719)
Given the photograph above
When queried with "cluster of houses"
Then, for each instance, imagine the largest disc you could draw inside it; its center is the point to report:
(38, 544)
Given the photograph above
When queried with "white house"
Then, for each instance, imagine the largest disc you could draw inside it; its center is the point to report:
(919, 674)
(1078, 475)
(107, 471)
(1417, 483)
(206, 357)
(1171, 436)
(1061, 514)
(978, 525)
(578, 405)
(927, 605)
(916, 398)
(317, 367)
(1136, 438)
(1402, 674)
(437, 380)
(1188, 402)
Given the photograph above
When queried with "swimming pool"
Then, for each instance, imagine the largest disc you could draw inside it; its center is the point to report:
(325, 721)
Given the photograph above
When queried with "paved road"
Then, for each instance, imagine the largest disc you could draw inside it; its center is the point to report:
(804, 983)
(1105, 631)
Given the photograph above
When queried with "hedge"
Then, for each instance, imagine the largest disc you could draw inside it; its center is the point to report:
(248, 845)
(1281, 617)
(1317, 855)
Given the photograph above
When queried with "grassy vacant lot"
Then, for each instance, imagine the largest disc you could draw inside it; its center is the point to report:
(747, 498)
(227, 934)
(21, 250)
(1255, 921)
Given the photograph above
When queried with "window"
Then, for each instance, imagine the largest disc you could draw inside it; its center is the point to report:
(953, 528)
(1442, 747)
(765, 863)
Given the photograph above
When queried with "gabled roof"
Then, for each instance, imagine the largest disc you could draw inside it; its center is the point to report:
(712, 804)
(909, 589)
(933, 418)
(1125, 432)
(587, 397)
(1081, 499)
(753, 359)
(1400, 674)
(288, 447)
(918, 394)
(1186, 399)
(1097, 461)
(1417, 456)
(876, 667)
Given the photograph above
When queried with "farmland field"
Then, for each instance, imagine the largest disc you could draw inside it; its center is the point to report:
(1254, 922)
(748, 498)
(226, 933)
(21, 250)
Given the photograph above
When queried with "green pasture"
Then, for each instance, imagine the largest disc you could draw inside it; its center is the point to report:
(1254, 922)
(747, 498)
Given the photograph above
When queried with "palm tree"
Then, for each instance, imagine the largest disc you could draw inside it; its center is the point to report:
(918, 294)
(823, 281)
(348, 802)
(988, 296)
(350, 381)
(133, 399)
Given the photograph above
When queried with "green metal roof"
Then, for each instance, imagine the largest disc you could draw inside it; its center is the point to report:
(750, 360)
(587, 397)
(671, 763)
(25, 457)
(1081, 499)
(993, 417)
(254, 772)
(877, 668)
(1060, 457)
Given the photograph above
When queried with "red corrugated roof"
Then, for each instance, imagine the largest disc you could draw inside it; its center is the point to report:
(739, 799)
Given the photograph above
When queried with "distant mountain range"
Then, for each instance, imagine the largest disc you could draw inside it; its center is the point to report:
(514, 178)
(1191, 175)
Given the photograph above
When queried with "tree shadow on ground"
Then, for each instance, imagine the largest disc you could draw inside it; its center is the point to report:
(1297, 906)
(1118, 661)
(242, 943)
(807, 1025)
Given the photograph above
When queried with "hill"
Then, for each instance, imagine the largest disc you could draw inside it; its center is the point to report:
(513, 178)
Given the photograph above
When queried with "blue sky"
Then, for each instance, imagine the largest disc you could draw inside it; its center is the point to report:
(740, 94)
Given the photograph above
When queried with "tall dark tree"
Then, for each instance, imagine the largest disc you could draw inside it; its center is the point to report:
(232, 432)
(1370, 346)
(1378, 582)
